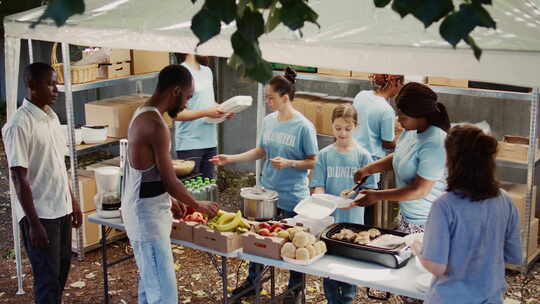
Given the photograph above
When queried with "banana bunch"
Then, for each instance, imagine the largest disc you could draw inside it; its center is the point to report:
(229, 222)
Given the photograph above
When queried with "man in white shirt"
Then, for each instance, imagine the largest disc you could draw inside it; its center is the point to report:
(45, 207)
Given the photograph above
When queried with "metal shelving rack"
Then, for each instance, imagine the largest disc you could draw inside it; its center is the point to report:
(68, 88)
(530, 165)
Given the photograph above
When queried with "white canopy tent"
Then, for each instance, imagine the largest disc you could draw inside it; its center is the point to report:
(354, 35)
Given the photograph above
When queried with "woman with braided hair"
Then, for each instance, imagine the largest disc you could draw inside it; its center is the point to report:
(418, 160)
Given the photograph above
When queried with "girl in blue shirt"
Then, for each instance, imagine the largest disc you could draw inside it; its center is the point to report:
(194, 138)
(472, 230)
(288, 144)
(418, 160)
(333, 173)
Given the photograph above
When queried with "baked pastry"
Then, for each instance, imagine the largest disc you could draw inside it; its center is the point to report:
(288, 250)
(374, 232)
(302, 254)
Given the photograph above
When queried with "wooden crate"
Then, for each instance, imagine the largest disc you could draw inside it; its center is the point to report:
(114, 70)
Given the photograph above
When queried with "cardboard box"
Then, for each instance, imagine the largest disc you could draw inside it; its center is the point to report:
(114, 112)
(87, 190)
(182, 231)
(91, 232)
(114, 70)
(219, 241)
(148, 61)
(514, 149)
(269, 247)
(533, 238)
(334, 72)
(328, 105)
(449, 82)
(518, 194)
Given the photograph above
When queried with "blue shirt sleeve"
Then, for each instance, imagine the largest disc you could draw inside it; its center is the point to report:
(512, 244)
(436, 243)
(309, 141)
(388, 121)
(432, 161)
(319, 172)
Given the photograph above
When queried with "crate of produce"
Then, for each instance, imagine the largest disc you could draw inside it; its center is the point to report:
(182, 230)
(267, 238)
(222, 233)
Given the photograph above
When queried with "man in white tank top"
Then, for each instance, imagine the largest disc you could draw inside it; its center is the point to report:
(152, 189)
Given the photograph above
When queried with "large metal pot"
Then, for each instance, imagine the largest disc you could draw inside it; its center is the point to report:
(259, 203)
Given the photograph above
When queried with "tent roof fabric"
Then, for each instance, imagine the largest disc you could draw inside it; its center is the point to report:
(354, 35)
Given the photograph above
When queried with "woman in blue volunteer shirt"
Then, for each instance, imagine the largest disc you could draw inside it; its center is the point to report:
(377, 120)
(472, 230)
(289, 144)
(333, 173)
(418, 160)
(376, 125)
(194, 138)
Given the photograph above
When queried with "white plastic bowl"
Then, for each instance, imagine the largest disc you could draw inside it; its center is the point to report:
(94, 135)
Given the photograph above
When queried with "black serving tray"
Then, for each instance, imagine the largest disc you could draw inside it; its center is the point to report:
(393, 258)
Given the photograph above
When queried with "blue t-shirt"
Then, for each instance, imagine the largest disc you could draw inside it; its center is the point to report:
(475, 240)
(197, 134)
(376, 121)
(421, 154)
(293, 139)
(335, 172)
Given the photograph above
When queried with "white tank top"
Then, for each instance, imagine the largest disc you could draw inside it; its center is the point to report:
(146, 206)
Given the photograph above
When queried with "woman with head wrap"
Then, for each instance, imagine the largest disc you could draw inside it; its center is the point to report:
(418, 160)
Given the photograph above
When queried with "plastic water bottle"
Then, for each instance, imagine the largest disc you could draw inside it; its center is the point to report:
(214, 190)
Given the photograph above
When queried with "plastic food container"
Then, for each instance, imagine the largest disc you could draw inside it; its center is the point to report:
(319, 206)
(315, 226)
(234, 104)
(94, 134)
(393, 258)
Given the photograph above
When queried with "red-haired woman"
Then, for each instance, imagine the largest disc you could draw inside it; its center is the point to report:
(473, 230)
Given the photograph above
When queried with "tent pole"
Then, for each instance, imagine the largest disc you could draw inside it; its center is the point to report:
(531, 170)
(12, 49)
(30, 51)
(261, 112)
(71, 138)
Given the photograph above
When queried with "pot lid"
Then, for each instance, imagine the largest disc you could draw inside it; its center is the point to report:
(258, 193)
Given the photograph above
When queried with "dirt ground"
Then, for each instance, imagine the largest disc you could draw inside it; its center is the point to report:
(197, 278)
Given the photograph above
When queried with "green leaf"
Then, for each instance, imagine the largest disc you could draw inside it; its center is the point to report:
(261, 73)
(262, 3)
(429, 11)
(205, 25)
(459, 25)
(405, 7)
(274, 19)
(381, 3)
(295, 13)
(60, 11)
(224, 10)
(476, 49)
(251, 25)
(247, 50)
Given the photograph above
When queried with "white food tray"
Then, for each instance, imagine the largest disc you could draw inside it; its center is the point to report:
(302, 262)
(234, 104)
(319, 206)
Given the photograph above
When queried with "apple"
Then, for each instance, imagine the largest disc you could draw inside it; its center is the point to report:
(265, 226)
(264, 232)
(283, 234)
(277, 229)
